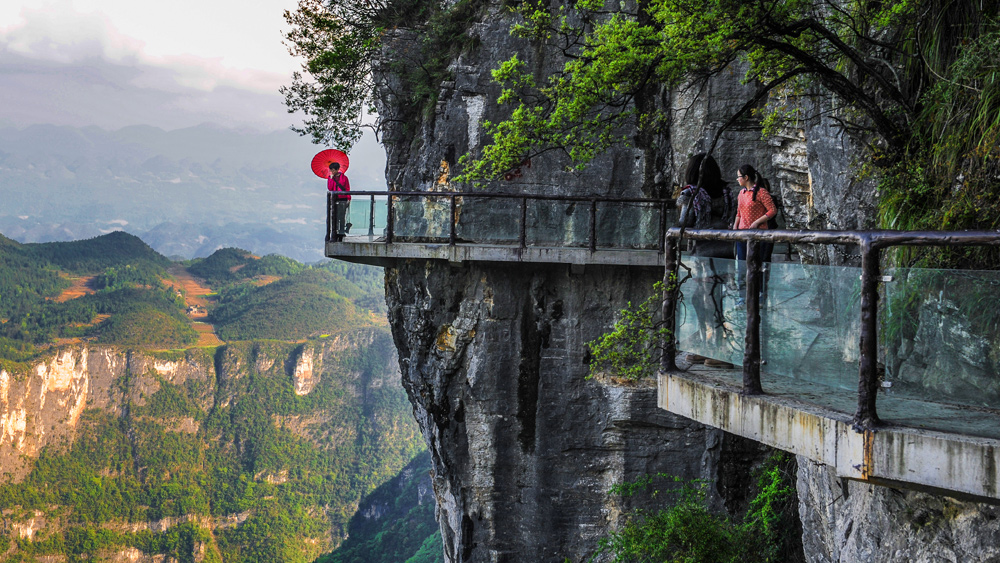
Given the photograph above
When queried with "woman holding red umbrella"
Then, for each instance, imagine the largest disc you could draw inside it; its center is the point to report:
(338, 183)
(331, 164)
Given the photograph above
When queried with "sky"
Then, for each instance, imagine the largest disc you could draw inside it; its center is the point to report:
(113, 63)
(176, 64)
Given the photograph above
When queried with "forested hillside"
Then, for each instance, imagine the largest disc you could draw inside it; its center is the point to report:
(395, 523)
(255, 450)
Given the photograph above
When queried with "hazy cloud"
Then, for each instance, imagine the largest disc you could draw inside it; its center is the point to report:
(71, 68)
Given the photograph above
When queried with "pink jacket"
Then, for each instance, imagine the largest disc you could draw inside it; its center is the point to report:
(342, 184)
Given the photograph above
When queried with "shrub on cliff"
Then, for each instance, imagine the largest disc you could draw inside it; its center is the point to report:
(689, 531)
(632, 348)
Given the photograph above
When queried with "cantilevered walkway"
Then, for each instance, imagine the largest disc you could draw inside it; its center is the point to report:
(891, 377)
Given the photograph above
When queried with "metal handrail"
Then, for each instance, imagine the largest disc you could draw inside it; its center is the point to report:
(871, 244)
(390, 234)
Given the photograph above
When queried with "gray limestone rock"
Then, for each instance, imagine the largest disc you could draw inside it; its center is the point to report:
(848, 521)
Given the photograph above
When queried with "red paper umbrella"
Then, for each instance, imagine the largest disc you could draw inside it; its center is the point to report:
(321, 162)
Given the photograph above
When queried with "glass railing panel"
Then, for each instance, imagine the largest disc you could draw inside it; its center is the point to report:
(420, 218)
(810, 323)
(487, 220)
(940, 337)
(558, 223)
(630, 225)
(360, 216)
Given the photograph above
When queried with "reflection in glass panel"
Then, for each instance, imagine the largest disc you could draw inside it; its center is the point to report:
(628, 225)
(488, 220)
(810, 318)
(558, 223)
(939, 333)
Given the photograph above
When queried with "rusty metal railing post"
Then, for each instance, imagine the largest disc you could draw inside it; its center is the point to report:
(451, 233)
(668, 311)
(390, 221)
(866, 417)
(751, 353)
(371, 218)
(593, 225)
(523, 235)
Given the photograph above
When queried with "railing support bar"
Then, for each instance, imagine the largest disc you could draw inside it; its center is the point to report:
(390, 221)
(454, 216)
(866, 417)
(523, 235)
(593, 225)
(668, 356)
(329, 216)
(751, 354)
(663, 227)
(371, 218)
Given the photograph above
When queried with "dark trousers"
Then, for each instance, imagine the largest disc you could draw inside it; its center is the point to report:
(336, 219)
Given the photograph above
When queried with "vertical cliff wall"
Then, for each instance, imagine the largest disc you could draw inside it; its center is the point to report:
(524, 447)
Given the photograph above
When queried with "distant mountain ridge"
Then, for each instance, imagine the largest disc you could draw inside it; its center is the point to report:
(209, 184)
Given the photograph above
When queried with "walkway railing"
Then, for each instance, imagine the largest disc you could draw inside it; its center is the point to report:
(518, 221)
(511, 219)
(870, 243)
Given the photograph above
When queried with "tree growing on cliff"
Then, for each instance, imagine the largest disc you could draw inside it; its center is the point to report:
(617, 61)
(342, 41)
(338, 42)
(868, 57)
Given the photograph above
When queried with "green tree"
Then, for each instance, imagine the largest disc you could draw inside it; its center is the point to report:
(338, 42)
(858, 52)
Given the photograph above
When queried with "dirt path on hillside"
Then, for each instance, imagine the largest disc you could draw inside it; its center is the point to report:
(196, 300)
(80, 287)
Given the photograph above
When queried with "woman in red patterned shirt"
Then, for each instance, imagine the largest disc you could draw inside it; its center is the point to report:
(753, 210)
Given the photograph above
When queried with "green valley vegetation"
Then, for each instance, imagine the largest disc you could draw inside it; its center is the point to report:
(128, 303)
(129, 299)
(226, 456)
(395, 523)
(296, 307)
(246, 468)
(233, 265)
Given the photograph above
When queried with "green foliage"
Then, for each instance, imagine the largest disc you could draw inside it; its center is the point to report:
(143, 274)
(293, 308)
(138, 317)
(430, 551)
(617, 59)
(146, 326)
(99, 253)
(948, 180)
(404, 531)
(631, 349)
(245, 455)
(689, 532)
(230, 265)
(25, 279)
(339, 41)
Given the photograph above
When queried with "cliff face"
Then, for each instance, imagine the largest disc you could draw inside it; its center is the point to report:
(524, 448)
(254, 450)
